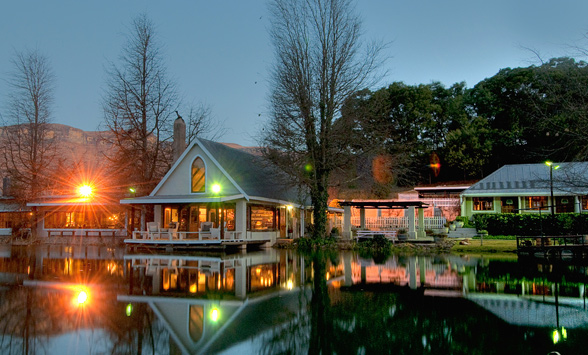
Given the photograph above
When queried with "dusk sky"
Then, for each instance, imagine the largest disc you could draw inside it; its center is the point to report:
(219, 53)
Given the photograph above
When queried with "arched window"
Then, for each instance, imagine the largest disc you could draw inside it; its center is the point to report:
(198, 175)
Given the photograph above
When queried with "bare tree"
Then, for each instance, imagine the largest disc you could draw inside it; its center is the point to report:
(139, 107)
(319, 62)
(199, 123)
(28, 149)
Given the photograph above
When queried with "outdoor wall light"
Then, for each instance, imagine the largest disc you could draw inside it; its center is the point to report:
(85, 191)
(216, 188)
(214, 315)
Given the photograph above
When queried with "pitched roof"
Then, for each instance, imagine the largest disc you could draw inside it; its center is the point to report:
(252, 173)
(533, 179)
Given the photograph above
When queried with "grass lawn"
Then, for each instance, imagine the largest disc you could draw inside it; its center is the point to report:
(488, 246)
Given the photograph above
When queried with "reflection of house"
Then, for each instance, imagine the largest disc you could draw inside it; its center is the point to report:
(526, 188)
(203, 301)
(236, 192)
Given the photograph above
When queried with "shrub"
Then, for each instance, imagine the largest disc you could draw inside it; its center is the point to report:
(532, 223)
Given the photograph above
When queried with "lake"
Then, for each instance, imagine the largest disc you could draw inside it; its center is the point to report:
(96, 300)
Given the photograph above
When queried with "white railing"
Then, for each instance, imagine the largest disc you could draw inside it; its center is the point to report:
(383, 223)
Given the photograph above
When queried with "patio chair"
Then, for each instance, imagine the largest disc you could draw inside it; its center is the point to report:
(205, 230)
(152, 229)
(172, 230)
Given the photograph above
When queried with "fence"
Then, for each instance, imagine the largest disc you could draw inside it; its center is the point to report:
(381, 223)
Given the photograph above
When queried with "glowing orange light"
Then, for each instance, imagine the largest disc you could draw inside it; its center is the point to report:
(82, 297)
(85, 191)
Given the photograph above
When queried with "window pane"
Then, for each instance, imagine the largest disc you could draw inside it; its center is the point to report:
(263, 218)
(198, 176)
(483, 203)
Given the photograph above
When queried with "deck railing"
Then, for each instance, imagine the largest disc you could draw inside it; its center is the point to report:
(383, 223)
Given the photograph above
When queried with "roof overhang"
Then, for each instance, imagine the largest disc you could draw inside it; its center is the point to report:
(387, 204)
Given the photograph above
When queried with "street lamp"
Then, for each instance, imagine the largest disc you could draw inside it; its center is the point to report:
(551, 168)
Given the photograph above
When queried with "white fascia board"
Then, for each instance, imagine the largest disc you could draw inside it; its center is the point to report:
(280, 202)
(163, 199)
(173, 168)
(522, 194)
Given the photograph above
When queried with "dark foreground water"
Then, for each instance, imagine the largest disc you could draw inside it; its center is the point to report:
(90, 300)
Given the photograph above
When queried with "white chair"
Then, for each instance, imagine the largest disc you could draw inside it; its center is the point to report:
(152, 229)
(172, 230)
(205, 230)
(215, 233)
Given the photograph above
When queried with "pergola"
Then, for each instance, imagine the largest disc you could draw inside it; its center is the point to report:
(413, 232)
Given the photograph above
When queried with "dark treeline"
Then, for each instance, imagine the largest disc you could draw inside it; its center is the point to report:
(520, 115)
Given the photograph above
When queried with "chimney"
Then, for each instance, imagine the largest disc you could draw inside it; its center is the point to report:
(6, 182)
(179, 144)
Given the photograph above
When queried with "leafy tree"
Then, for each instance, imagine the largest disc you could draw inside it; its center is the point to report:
(470, 147)
(406, 123)
(318, 65)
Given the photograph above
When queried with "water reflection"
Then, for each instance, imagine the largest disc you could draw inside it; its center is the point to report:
(278, 301)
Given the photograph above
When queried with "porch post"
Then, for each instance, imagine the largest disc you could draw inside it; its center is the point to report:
(302, 211)
(157, 215)
(421, 228)
(241, 218)
(362, 218)
(346, 233)
(577, 206)
(411, 223)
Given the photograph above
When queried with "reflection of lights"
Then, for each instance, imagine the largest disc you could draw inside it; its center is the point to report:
(193, 288)
(214, 315)
(559, 335)
(328, 275)
(290, 285)
(129, 309)
(258, 271)
(28, 269)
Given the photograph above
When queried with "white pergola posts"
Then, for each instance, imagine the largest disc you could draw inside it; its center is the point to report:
(346, 233)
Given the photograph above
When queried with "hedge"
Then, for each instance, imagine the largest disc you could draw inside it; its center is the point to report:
(532, 224)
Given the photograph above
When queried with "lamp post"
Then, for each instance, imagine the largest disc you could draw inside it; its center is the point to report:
(551, 168)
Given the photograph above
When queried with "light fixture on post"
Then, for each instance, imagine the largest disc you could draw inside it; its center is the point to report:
(551, 168)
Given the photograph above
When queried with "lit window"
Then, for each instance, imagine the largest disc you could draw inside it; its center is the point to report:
(483, 203)
(198, 175)
(536, 202)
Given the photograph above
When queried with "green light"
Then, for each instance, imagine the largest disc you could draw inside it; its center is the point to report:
(555, 336)
(308, 167)
(214, 315)
(129, 310)
(132, 190)
(216, 188)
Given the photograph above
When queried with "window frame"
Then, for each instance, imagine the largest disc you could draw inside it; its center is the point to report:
(192, 175)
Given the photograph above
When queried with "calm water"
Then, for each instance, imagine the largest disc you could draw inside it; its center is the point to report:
(58, 300)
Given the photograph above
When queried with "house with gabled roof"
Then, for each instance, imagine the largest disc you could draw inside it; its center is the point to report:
(216, 194)
(528, 188)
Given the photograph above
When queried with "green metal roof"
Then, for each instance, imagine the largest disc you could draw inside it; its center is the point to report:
(533, 179)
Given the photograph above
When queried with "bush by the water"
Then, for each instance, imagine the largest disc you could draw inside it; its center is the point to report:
(532, 224)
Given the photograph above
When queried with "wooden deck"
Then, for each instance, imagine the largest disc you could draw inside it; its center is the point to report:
(194, 240)
(575, 246)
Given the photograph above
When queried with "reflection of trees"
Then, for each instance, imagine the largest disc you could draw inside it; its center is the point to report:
(391, 319)
(27, 320)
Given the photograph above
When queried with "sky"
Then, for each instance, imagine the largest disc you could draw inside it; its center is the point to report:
(219, 54)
